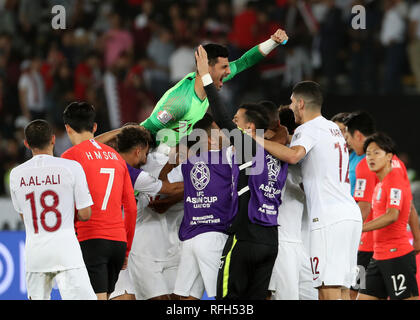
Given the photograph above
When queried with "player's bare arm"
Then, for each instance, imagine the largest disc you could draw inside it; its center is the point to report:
(365, 208)
(171, 188)
(279, 37)
(384, 220)
(109, 135)
(84, 214)
(290, 155)
(162, 205)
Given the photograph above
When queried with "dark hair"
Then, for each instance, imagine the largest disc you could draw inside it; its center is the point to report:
(214, 51)
(204, 123)
(80, 116)
(256, 115)
(287, 119)
(362, 121)
(131, 137)
(340, 117)
(383, 141)
(38, 134)
(272, 111)
(310, 92)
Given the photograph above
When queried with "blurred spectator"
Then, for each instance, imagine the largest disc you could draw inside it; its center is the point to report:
(181, 61)
(364, 49)
(30, 18)
(242, 35)
(32, 90)
(8, 16)
(116, 40)
(49, 66)
(331, 36)
(220, 18)
(68, 48)
(87, 74)
(159, 50)
(62, 93)
(414, 41)
(298, 65)
(136, 100)
(142, 27)
(392, 39)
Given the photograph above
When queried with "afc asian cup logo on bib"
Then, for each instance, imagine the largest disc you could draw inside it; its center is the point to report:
(274, 167)
(200, 175)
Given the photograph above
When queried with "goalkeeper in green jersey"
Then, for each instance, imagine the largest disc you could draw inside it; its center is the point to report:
(185, 103)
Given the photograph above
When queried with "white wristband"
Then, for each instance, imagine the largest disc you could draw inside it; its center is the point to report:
(206, 79)
(267, 46)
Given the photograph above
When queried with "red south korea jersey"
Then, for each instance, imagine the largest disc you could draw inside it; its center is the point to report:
(392, 192)
(111, 189)
(366, 181)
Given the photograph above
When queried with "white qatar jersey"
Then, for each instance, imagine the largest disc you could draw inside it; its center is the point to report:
(292, 206)
(46, 190)
(325, 173)
(156, 234)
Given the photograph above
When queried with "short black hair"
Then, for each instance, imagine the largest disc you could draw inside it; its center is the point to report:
(383, 141)
(287, 119)
(214, 51)
(362, 121)
(272, 111)
(205, 123)
(131, 137)
(340, 117)
(38, 134)
(80, 116)
(310, 92)
(256, 115)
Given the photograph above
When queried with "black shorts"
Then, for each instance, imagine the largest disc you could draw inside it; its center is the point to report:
(394, 278)
(104, 260)
(245, 270)
(363, 259)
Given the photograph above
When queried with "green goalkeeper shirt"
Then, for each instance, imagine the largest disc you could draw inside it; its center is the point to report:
(180, 108)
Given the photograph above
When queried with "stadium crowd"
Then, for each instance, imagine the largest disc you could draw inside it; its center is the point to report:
(121, 56)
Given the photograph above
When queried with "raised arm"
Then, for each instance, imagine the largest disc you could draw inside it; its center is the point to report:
(256, 54)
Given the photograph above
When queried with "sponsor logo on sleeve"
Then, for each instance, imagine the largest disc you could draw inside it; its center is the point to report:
(360, 188)
(395, 197)
(164, 116)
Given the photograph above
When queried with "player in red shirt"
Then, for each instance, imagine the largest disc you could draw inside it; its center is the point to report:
(392, 269)
(359, 126)
(106, 238)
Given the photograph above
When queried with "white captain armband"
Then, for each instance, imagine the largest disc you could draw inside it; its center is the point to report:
(206, 79)
(267, 46)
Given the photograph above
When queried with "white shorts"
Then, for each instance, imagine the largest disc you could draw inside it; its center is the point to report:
(151, 278)
(334, 253)
(284, 282)
(73, 284)
(199, 265)
(306, 289)
(290, 279)
(123, 285)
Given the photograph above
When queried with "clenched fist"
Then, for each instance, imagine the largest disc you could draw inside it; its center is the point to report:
(280, 36)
